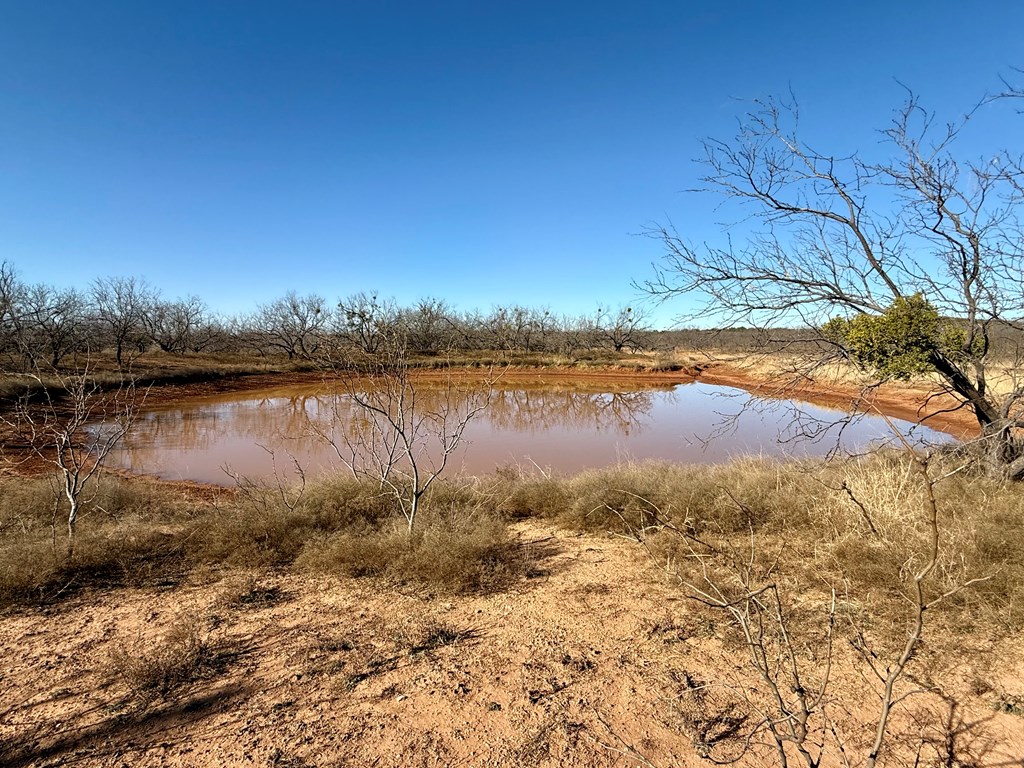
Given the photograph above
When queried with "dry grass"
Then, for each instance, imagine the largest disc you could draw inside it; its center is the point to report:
(349, 527)
(452, 551)
(138, 533)
(628, 498)
(130, 534)
(519, 495)
(260, 529)
(186, 653)
(856, 523)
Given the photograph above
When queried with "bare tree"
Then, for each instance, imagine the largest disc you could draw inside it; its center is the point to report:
(52, 324)
(176, 326)
(293, 324)
(621, 329)
(518, 329)
(575, 334)
(429, 327)
(211, 333)
(401, 433)
(11, 295)
(364, 321)
(72, 424)
(121, 305)
(903, 266)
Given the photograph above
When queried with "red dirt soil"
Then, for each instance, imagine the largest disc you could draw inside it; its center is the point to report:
(586, 664)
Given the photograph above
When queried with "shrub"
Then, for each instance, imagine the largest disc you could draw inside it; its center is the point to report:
(519, 495)
(259, 529)
(453, 551)
(732, 497)
(128, 537)
(183, 655)
(33, 569)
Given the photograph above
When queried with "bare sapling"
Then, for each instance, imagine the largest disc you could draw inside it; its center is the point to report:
(400, 432)
(921, 594)
(263, 496)
(72, 425)
(794, 670)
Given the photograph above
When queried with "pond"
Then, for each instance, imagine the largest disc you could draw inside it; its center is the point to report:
(551, 425)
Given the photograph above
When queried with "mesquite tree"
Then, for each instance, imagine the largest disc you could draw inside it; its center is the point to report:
(120, 306)
(389, 426)
(72, 423)
(906, 265)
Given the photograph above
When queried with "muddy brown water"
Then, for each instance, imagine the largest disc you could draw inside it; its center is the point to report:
(565, 427)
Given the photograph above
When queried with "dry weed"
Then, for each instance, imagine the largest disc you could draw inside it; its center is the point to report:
(184, 654)
(454, 551)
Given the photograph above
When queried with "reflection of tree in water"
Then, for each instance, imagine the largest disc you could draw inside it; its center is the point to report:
(262, 419)
(156, 429)
(524, 409)
(536, 410)
(336, 420)
(288, 422)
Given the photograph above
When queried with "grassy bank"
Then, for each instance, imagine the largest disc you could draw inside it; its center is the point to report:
(152, 369)
(855, 523)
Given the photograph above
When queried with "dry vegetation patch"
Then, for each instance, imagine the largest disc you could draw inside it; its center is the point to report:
(186, 653)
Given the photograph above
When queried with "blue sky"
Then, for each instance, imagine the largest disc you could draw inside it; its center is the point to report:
(482, 152)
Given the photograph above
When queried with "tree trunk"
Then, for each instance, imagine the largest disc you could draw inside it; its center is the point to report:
(413, 508)
(1002, 451)
(72, 519)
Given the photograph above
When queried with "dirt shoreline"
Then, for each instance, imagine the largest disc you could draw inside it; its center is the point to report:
(913, 403)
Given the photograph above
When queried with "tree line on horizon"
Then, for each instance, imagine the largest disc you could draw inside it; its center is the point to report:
(42, 326)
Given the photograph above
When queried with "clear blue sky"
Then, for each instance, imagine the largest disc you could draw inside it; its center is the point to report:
(483, 152)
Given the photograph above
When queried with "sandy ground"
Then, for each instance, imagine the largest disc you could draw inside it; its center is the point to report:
(583, 664)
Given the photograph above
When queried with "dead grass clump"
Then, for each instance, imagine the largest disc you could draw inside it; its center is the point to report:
(26, 503)
(266, 527)
(136, 554)
(118, 498)
(185, 654)
(627, 497)
(36, 568)
(424, 634)
(245, 538)
(248, 592)
(342, 502)
(129, 534)
(520, 495)
(633, 498)
(452, 552)
(29, 570)
(989, 534)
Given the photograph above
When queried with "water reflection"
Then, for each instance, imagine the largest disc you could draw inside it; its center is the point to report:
(539, 410)
(564, 427)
